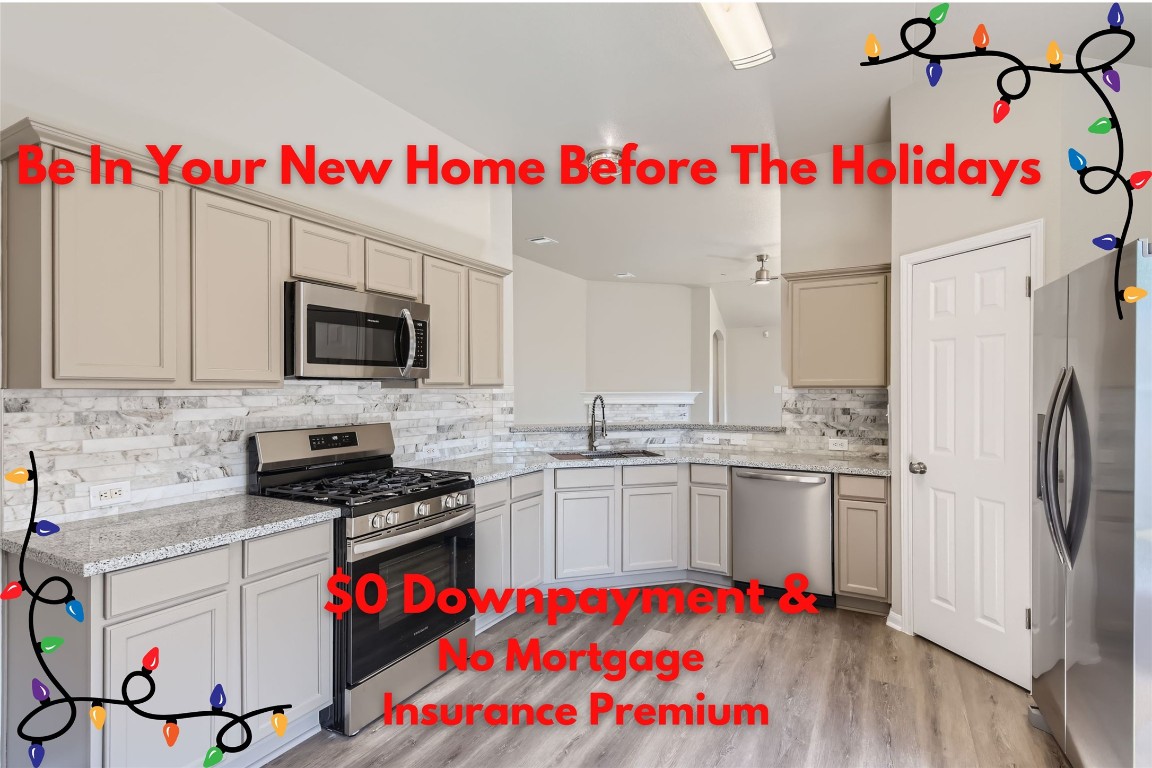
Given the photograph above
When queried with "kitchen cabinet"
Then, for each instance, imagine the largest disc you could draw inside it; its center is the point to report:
(238, 251)
(837, 332)
(326, 254)
(586, 544)
(527, 569)
(485, 329)
(862, 532)
(709, 522)
(493, 548)
(391, 269)
(649, 528)
(446, 292)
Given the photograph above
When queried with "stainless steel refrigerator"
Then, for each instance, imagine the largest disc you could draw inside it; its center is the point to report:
(1092, 514)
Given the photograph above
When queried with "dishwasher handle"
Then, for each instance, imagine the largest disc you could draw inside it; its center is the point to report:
(805, 479)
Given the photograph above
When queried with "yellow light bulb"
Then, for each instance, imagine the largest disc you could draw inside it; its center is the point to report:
(279, 723)
(97, 715)
(872, 47)
(1133, 294)
(1055, 55)
(20, 475)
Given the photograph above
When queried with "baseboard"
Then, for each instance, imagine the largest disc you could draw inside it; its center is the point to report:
(271, 747)
(896, 622)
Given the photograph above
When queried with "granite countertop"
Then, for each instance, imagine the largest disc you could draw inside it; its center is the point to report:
(104, 544)
(498, 465)
(644, 426)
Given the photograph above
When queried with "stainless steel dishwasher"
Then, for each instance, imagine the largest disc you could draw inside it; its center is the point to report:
(782, 524)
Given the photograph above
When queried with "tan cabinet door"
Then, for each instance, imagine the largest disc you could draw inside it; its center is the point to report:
(649, 528)
(585, 540)
(492, 544)
(116, 261)
(327, 255)
(839, 331)
(709, 519)
(528, 542)
(237, 321)
(446, 292)
(862, 548)
(485, 329)
(389, 269)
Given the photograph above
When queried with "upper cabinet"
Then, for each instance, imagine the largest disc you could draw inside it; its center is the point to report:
(238, 253)
(446, 292)
(485, 329)
(838, 328)
(327, 255)
(391, 269)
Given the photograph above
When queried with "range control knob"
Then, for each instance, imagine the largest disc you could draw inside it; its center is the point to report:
(461, 499)
(392, 518)
(448, 501)
(422, 509)
(377, 521)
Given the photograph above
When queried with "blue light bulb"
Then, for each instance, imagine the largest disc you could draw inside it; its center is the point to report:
(218, 699)
(36, 754)
(934, 71)
(1077, 160)
(1105, 242)
(46, 528)
(75, 609)
(1115, 15)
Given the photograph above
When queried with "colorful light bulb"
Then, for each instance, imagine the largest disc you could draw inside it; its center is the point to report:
(50, 644)
(1139, 179)
(1104, 242)
(934, 71)
(1000, 110)
(46, 528)
(1103, 125)
(171, 732)
(151, 660)
(36, 754)
(97, 715)
(1054, 55)
(1077, 160)
(20, 475)
(40, 691)
(1115, 16)
(279, 722)
(1133, 294)
(872, 48)
(213, 756)
(218, 699)
(938, 14)
(75, 609)
(980, 38)
(1111, 79)
(12, 591)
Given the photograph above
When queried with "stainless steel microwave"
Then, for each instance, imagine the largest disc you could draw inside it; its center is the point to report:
(338, 333)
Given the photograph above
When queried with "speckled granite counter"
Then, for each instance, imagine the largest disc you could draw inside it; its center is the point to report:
(103, 544)
(497, 466)
(644, 426)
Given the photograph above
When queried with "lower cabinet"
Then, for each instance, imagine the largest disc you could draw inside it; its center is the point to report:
(493, 545)
(650, 528)
(862, 548)
(708, 522)
(527, 554)
(585, 533)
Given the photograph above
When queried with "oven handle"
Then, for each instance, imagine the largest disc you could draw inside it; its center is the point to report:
(406, 371)
(359, 551)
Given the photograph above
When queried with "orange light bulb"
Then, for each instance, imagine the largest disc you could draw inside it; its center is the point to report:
(171, 732)
(872, 47)
(279, 722)
(97, 715)
(1133, 294)
(1054, 55)
(980, 37)
(20, 475)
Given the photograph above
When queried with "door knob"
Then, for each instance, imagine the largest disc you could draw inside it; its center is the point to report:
(917, 467)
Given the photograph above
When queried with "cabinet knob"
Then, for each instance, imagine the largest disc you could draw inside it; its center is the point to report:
(917, 467)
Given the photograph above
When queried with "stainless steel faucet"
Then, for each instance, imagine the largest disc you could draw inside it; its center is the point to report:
(592, 425)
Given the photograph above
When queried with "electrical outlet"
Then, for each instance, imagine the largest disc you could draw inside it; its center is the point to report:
(711, 440)
(739, 440)
(837, 444)
(110, 494)
(777, 390)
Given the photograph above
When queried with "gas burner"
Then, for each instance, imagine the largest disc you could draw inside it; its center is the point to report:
(359, 488)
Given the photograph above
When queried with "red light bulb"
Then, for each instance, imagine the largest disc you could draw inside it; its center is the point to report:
(1000, 110)
(1139, 179)
(151, 659)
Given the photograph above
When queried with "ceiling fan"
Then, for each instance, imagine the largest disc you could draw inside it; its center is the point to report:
(762, 276)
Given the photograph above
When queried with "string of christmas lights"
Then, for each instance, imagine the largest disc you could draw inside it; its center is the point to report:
(97, 713)
(1111, 175)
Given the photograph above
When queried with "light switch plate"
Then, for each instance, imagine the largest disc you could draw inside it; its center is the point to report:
(711, 440)
(837, 444)
(777, 389)
(110, 494)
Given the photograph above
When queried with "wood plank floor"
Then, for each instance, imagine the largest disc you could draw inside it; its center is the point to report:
(842, 688)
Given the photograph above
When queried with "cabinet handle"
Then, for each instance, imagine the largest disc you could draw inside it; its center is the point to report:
(806, 479)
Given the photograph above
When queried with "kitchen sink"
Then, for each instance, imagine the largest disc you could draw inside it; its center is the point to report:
(606, 454)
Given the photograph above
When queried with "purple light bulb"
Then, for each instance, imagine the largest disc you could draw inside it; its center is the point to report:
(1112, 79)
(40, 691)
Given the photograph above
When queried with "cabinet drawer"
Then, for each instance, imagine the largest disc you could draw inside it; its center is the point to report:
(136, 588)
(588, 477)
(491, 494)
(301, 544)
(663, 474)
(709, 474)
(857, 487)
(527, 485)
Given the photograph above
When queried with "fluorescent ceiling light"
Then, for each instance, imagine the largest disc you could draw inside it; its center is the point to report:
(741, 30)
(624, 275)
(542, 240)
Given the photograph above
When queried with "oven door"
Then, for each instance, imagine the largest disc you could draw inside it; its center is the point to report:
(345, 334)
(443, 552)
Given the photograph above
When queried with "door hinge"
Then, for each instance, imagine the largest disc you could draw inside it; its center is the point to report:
(1027, 618)
(1028, 286)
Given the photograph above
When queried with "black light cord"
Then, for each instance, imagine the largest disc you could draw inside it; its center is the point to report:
(1113, 173)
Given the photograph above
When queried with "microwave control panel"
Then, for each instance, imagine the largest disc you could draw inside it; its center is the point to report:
(332, 440)
(421, 360)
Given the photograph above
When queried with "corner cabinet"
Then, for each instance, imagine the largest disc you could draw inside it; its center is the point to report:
(837, 328)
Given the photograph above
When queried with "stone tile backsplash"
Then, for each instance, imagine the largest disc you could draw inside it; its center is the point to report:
(176, 446)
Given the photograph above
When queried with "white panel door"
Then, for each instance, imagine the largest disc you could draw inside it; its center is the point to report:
(971, 370)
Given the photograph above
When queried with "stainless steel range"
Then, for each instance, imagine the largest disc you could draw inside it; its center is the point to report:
(396, 521)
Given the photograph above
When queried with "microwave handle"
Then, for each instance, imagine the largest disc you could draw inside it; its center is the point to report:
(406, 371)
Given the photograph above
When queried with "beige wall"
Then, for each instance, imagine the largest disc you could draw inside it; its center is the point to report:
(550, 339)
(639, 337)
(827, 226)
(754, 369)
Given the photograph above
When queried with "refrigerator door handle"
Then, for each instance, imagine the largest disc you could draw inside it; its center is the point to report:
(1082, 471)
(1049, 467)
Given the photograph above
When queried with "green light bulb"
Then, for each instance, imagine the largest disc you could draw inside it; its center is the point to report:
(937, 14)
(49, 644)
(214, 755)
(1103, 125)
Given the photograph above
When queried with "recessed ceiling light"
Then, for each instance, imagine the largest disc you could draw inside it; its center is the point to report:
(741, 30)
(624, 275)
(611, 154)
(542, 240)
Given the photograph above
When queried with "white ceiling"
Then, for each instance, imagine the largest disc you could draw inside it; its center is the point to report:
(518, 80)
